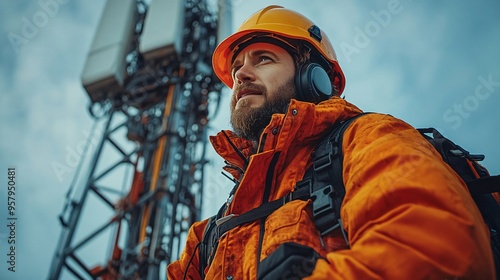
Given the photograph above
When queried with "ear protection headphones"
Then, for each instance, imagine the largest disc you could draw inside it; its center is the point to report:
(312, 83)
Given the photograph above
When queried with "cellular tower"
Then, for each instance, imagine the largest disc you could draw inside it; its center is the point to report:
(152, 92)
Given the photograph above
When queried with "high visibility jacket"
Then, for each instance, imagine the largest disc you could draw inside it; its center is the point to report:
(406, 213)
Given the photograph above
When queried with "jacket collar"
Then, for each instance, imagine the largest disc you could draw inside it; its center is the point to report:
(303, 123)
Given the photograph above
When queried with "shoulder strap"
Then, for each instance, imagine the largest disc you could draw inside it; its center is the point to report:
(485, 185)
(209, 241)
(205, 246)
(324, 179)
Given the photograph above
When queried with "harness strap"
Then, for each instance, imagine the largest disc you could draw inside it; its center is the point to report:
(259, 212)
(485, 185)
(209, 242)
(325, 179)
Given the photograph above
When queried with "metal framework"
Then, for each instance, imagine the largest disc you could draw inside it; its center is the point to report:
(153, 137)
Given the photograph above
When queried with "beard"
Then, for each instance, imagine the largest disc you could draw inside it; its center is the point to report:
(249, 122)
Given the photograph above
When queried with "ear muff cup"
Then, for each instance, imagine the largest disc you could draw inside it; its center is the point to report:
(312, 83)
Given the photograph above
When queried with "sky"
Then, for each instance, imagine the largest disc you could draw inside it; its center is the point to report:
(430, 63)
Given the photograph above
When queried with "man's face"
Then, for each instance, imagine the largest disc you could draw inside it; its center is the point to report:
(263, 76)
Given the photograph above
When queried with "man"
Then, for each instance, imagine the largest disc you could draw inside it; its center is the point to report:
(405, 213)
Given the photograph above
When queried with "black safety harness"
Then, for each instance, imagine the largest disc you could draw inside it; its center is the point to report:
(322, 183)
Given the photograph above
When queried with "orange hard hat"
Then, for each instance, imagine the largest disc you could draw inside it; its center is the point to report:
(285, 24)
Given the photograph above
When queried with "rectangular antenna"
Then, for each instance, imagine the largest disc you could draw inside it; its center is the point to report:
(161, 38)
(105, 68)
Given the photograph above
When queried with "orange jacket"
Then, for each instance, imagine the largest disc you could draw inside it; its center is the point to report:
(407, 214)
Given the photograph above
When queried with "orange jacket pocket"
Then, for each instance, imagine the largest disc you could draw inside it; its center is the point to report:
(290, 223)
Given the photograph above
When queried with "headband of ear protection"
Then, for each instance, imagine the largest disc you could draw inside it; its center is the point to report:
(312, 83)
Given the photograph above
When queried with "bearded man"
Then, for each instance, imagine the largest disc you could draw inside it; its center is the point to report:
(405, 214)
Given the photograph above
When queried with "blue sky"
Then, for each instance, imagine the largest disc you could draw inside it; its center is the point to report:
(430, 63)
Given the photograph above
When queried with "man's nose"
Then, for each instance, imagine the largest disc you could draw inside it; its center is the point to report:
(246, 73)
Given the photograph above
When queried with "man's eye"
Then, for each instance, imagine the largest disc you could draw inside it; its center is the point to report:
(264, 59)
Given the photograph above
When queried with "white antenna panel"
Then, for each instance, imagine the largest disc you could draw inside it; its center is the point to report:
(104, 70)
(162, 34)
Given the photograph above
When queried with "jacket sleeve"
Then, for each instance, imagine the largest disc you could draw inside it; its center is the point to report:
(189, 256)
(408, 215)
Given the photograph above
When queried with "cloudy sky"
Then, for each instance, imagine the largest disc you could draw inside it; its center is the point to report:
(431, 63)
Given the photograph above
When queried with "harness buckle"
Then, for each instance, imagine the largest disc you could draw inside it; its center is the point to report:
(224, 219)
(324, 210)
(287, 198)
(323, 161)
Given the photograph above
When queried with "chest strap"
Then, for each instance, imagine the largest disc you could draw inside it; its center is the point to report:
(229, 222)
